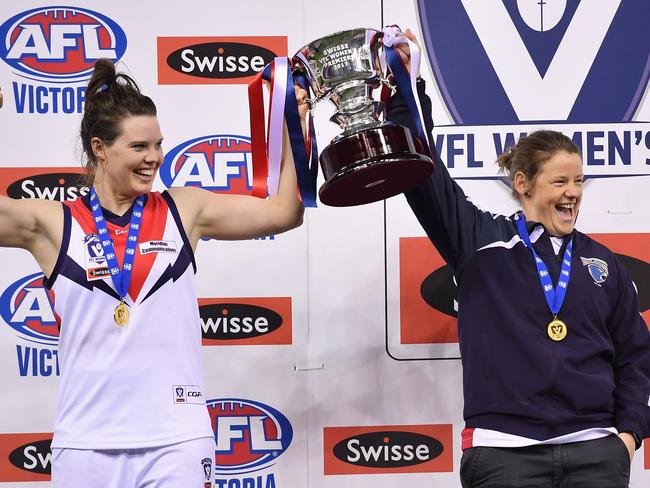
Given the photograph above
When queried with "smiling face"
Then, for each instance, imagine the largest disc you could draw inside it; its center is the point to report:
(553, 197)
(128, 166)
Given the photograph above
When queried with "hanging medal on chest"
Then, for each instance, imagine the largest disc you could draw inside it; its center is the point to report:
(121, 277)
(557, 330)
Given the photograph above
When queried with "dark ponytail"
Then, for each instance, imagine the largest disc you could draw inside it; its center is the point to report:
(110, 98)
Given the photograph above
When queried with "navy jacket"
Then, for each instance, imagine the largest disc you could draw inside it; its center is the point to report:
(515, 378)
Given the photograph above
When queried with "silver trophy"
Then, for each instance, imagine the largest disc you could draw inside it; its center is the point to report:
(371, 159)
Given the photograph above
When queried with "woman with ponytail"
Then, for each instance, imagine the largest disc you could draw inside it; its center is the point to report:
(121, 262)
(555, 354)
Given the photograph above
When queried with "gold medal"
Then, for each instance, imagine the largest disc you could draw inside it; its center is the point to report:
(121, 314)
(557, 330)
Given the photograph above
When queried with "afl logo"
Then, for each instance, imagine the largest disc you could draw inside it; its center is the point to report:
(551, 60)
(59, 43)
(28, 308)
(250, 435)
(219, 163)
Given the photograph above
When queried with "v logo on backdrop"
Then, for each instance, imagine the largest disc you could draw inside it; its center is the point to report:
(533, 96)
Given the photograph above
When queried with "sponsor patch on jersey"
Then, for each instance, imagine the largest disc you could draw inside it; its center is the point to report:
(188, 394)
(165, 247)
(597, 269)
(96, 264)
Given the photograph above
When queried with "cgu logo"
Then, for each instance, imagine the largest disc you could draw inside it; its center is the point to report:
(28, 308)
(237, 321)
(249, 435)
(220, 163)
(390, 449)
(35, 457)
(59, 43)
(50, 186)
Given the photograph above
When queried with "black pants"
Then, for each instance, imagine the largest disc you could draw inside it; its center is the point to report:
(601, 463)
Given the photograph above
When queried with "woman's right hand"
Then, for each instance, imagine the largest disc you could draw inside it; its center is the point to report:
(405, 52)
(0, 97)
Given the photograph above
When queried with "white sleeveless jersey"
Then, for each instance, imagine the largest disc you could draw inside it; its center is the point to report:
(141, 384)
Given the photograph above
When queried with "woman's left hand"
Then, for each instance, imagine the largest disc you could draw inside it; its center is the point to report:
(628, 440)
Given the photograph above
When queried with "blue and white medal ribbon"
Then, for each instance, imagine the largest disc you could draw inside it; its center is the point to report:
(556, 330)
(121, 278)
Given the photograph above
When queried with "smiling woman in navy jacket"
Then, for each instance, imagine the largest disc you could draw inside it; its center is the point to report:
(555, 354)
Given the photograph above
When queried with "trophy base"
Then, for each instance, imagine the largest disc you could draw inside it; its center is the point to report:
(372, 165)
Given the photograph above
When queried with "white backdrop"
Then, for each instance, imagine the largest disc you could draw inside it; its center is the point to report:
(345, 363)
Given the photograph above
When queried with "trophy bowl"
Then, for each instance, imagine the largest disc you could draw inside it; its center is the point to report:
(371, 159)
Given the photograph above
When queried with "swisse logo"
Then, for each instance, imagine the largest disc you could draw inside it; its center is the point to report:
(633, 252)
(428, 301)
(200, 60)
(50, 186)
(220, 60)
(246, 321)
(35, 457)
(25, 457)
(388, 449)
(59, 43)
(439, 291)
(640, 273)
(237, 321)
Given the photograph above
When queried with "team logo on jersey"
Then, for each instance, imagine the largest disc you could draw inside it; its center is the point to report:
(220, 163)
(59, 43)
(27, 307)
(388, 449)
(597, 269)
(250, 435)
(96, 263)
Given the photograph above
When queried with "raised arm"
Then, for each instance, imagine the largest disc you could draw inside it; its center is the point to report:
(34, 225)
(231, 217)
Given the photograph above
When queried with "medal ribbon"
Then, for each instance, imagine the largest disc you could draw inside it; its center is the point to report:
(266, 154)
(121, 278)
(554, 295)
(405, 81)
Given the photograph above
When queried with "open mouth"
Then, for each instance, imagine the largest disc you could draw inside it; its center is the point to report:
(565, 210)
(145, 172)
